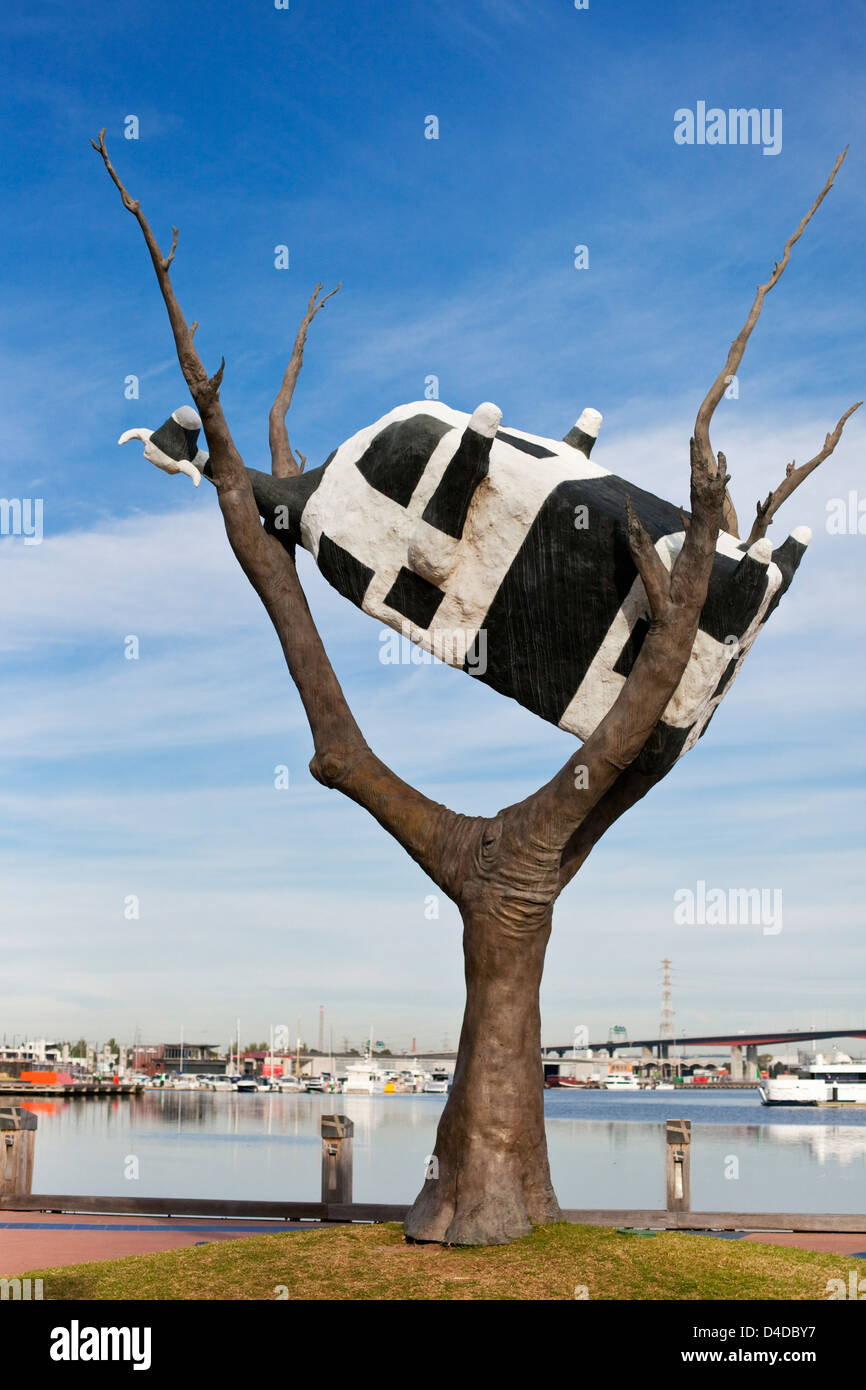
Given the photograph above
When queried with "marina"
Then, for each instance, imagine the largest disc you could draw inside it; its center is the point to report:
(605, 1147)
(93, 1089)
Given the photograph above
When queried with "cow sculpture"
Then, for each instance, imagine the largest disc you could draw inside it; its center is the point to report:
(505, 554)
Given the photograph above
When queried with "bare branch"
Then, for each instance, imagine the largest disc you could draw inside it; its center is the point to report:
(738, 346)
(283, 464)
(558, 811)
(196, 377)
(170, 257)
(215, 381)
(656, 578)
(342, 757)
(708, 488)
(794, 476)
(730, 520)
(629, 788)
(554, 813)
(662, 659)
(193, 326)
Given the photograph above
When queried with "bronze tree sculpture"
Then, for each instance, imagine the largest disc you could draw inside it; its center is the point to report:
(506, 871)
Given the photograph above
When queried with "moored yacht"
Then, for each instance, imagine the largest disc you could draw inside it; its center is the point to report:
(411, 1079)
(621, 1081)
(834, 1081)
(364, 1078)
(253, 1083)
(288, 1083)
(214, 1083)
(437, 1083)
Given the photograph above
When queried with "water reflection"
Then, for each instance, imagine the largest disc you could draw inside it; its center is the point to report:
(605, 1149)
(842, 1143)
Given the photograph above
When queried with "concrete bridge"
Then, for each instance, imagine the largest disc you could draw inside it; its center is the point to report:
(744, 1045)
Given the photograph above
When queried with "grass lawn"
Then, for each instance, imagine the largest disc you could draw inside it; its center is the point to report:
(374, 1262)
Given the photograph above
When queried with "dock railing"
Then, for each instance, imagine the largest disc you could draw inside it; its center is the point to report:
(18, 1132)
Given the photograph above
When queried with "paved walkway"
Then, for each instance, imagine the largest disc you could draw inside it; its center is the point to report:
(828, 1242)
(38, 1240)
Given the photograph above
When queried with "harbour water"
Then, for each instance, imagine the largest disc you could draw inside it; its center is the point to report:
(606, 1149)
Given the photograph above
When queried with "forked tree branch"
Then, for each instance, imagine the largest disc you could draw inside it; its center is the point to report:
(342, 758)
(283, 462)
(794, 476)
(569, 810)
(557, 810)
(629, 788)
(621, 794)
(654, 574)
(730, 521)
(227, 464)
(738, 346)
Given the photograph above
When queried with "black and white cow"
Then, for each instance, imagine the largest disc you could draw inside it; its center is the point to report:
(505, 554)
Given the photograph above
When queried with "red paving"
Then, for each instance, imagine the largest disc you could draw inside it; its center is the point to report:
(828, 1242)
(38, 1240)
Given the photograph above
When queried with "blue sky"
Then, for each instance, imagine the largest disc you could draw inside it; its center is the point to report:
(305, 127)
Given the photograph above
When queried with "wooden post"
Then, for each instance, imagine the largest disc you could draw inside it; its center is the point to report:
(678, 1171)
(337, 1131)
(17, 1139)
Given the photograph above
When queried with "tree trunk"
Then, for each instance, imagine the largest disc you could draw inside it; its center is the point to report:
(491, 1179)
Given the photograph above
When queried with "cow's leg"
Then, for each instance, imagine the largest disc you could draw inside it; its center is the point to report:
(434, 542)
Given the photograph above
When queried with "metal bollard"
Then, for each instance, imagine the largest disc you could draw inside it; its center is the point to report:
(17, 1140)
(337, 1131)
(678, 1172)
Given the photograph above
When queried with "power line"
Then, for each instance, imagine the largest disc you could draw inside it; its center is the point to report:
(666, 1024)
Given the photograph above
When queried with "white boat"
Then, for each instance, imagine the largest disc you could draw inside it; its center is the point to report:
(437, 1083)
(288, 1083)
(833, 1081)
(410, 1080)
(364, 1078)
(252, 1083)
(621, 1081)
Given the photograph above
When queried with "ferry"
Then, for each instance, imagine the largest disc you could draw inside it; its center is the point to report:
(838, 1081)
